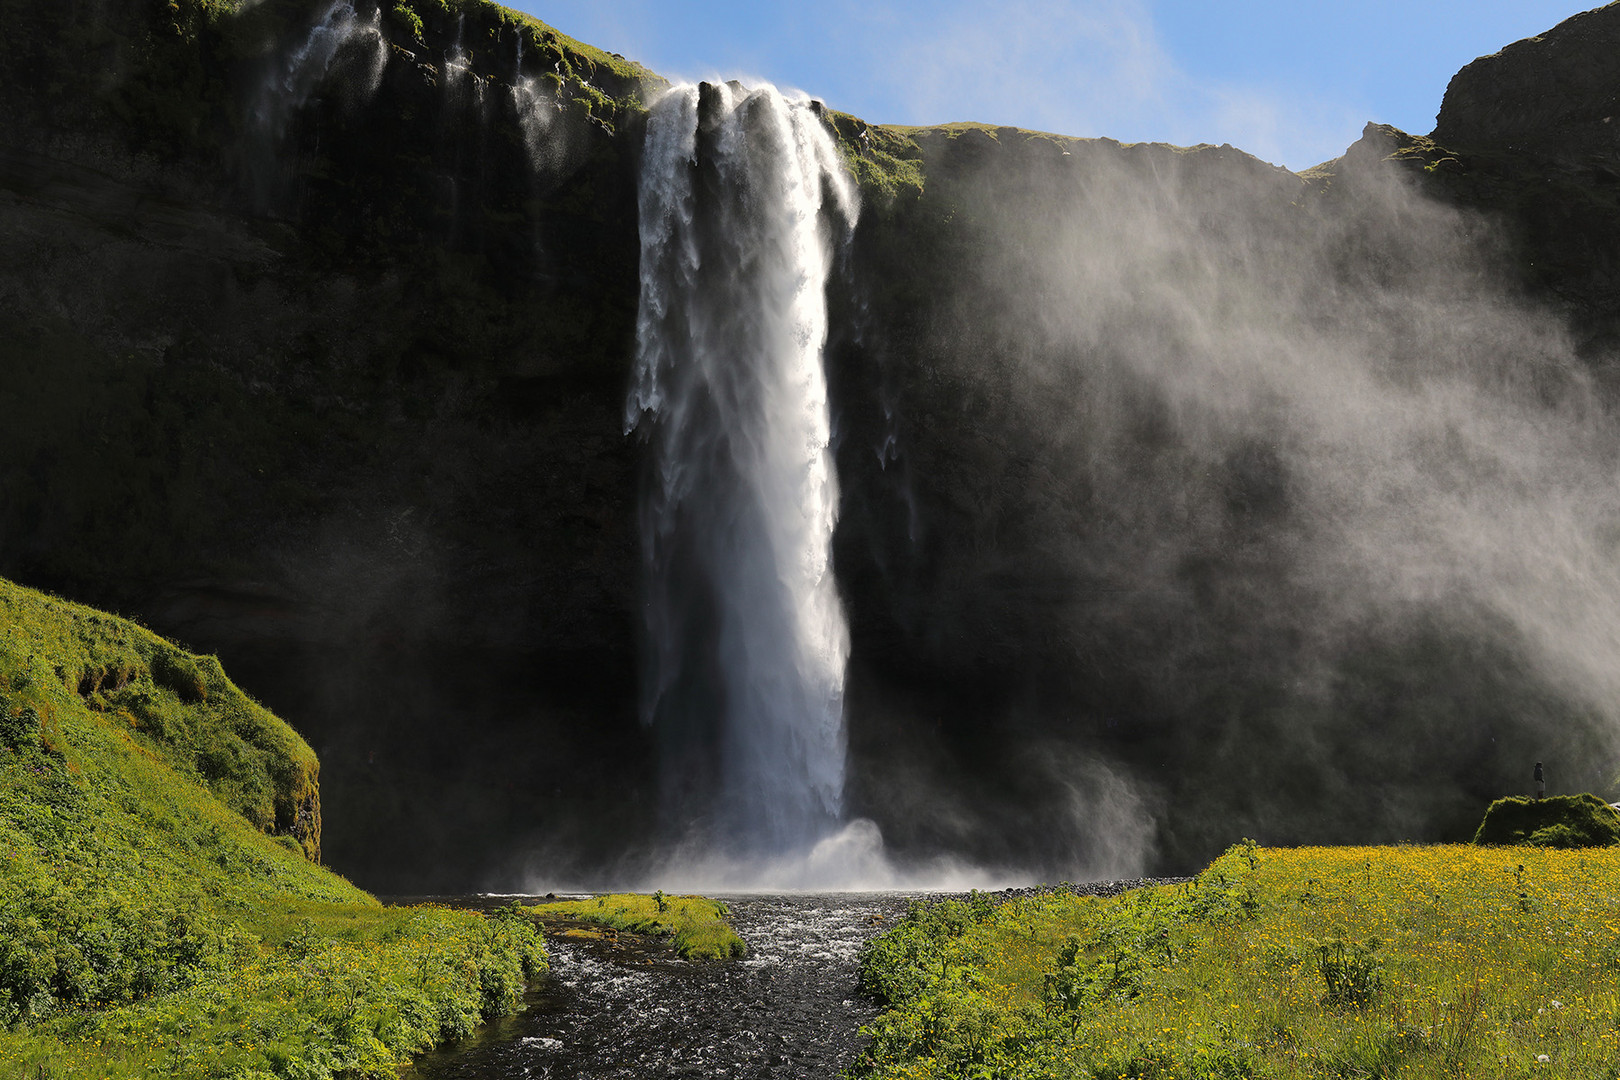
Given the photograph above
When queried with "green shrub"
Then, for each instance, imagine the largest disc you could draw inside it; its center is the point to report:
(1351, 969)
(63, 946)
(19, 726)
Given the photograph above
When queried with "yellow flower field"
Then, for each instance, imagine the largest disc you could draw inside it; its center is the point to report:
(1313, 962)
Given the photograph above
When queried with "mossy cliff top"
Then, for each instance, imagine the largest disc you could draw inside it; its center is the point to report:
(60, 660)
(501, 44)
(170, 78)
(894, 162)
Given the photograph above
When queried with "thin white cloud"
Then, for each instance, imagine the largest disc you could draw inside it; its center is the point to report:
(1080, 67)
(1032, 62)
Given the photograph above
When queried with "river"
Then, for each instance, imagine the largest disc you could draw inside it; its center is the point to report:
(630, 1009)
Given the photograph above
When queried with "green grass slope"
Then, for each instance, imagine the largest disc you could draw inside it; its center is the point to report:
(1288, 964)
(61, 662)
(160, 910)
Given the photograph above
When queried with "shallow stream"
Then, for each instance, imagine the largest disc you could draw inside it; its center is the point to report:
(630, 1009)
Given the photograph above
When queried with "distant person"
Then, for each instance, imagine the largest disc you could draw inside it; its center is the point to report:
(1541, 783)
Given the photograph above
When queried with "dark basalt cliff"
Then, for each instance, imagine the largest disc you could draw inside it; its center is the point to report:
(327, 374)
(335, 390)
(1555, 96)
(1531, 136)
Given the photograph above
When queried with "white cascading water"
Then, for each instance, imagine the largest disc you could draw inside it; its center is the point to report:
(291, 83)
(746, 638)
(340, 45)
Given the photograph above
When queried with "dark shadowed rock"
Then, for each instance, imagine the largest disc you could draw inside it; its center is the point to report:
(1556, 95)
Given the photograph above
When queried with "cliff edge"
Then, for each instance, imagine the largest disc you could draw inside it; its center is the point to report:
(1555, 95)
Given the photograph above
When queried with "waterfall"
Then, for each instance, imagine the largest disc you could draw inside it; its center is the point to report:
(552, 144)
(745, 635)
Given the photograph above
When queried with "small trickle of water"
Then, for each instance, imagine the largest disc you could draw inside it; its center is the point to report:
(462, 85)
(291, 83)
(539, 109)
(342, 49)
(746, 636)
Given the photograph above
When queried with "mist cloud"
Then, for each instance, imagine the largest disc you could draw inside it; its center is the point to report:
(1438, 440)
(1263, 506)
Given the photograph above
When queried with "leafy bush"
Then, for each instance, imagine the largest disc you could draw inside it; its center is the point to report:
(64, 947)
(903, 963)
(1351, 969)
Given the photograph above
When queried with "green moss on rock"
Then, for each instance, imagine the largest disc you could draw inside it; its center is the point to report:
(1560, 821)
(885, 163)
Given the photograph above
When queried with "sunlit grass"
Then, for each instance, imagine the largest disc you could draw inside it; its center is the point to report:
(151, 926)
(1315, 962)
(695, 925)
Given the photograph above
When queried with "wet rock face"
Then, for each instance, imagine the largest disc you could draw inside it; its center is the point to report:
(1556, 95)
(338, 397)
(1060, 580)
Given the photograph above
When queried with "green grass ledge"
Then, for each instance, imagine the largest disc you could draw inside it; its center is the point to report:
(695, 926)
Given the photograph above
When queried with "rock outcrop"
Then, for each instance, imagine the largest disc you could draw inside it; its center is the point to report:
(1555, 96)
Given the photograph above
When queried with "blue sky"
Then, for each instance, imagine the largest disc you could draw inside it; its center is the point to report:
(1290, 82)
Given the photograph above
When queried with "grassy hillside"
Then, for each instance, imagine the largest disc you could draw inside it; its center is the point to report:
(1311, 962)
(62, 663)
(160, 912)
